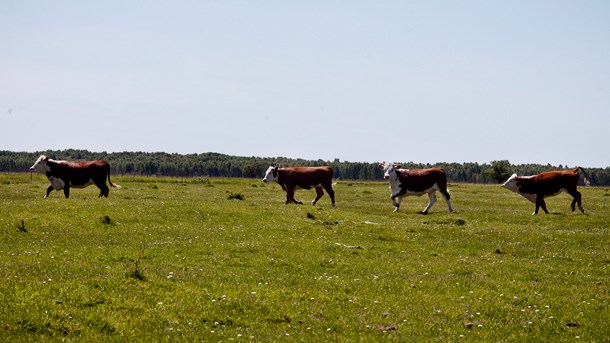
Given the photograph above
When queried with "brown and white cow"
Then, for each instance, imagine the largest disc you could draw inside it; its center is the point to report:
(295, 178)
(405, 182)
(537, 187)
(63, 174)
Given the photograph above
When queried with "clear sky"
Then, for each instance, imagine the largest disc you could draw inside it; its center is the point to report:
(363, 81)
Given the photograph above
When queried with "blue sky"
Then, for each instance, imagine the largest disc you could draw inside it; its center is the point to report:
(422, 81)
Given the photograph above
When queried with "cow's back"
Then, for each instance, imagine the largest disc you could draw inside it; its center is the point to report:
(419, 180)
(550, 182)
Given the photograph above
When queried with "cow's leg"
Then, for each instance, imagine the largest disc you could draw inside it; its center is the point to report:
(49, 190)
(67, 190)
(104, 190)
(540, 203)
(397, 194)
(290, 197)
(331, 193)
(577, 200)
(432, 197)
(447, 198)
(396, 203)
(319, 194)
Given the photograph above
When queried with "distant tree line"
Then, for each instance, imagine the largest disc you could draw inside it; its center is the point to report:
(220, 165)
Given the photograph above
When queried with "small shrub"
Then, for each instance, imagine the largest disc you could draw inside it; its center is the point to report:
(137, 272)
(105, 220)
(237, 196)
(21, 226)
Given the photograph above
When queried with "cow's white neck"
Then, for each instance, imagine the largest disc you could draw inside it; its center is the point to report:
(394, 182)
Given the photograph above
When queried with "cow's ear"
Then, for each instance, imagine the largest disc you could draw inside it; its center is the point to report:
(382, 165)
(397, 166)
(46, 158)
(276, 168)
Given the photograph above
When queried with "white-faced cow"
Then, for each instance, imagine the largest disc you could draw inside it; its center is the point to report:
(537, 187)
(63, 174)
(295, 178)
(405, 182)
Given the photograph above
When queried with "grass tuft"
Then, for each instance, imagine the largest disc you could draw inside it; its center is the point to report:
(105, 219)
(236, 196)
(21, 226)
(137, 273)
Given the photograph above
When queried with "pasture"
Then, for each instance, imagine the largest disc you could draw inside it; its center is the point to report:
(225, 260)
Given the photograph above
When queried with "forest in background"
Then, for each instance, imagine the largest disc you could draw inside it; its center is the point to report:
(211, 164)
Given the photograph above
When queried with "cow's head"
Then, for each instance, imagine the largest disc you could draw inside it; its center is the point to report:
(389, 170)
(511, 183)
(271, 174)
(41, 165)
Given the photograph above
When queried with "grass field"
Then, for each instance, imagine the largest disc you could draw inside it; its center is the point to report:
(226, 260)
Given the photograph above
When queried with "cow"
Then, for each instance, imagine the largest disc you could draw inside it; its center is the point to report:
(63, 174)
(537, 187)
(405, 182)
(295, 178)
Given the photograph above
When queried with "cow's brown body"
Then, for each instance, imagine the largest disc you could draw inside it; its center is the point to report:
(537, 187)
(64, 175)
(291, 179)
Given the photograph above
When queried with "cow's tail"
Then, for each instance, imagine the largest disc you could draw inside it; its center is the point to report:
(587, 180)
(110, 182)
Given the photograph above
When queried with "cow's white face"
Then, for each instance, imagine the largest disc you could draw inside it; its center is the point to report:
(511, 183)
(41, 165)
(271, 175)
(389, 171)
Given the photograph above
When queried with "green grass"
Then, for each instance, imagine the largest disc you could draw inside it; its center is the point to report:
(225, 259)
